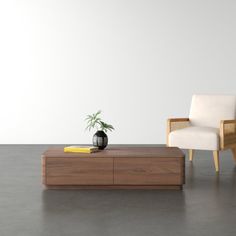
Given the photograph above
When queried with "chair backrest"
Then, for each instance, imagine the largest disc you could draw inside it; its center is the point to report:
(209, 110)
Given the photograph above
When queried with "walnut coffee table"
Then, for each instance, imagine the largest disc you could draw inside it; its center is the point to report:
(115, 168)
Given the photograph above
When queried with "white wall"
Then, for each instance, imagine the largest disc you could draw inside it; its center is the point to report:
(138, 61)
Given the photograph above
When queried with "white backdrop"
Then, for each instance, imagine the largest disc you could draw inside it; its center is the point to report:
(137, 60)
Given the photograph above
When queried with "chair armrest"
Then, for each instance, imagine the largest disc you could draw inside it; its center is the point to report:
(227, 134)
(175, 124)
(178, 119)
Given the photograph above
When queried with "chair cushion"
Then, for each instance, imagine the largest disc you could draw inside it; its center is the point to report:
(203, 138)
(209, 110)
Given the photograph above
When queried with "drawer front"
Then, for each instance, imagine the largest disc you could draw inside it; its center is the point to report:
(79, 171)
(148, 171)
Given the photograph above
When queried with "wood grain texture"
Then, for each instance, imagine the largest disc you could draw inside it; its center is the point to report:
(191, 153)
(182, 169)
(147, 171)
(216, 160)
(79, 171)
(116, 167)
(172, 187)
(227, 134)
(43, 164)
(178, 119)
(121, 152)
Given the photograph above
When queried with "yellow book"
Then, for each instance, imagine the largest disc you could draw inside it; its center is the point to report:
(81, 149)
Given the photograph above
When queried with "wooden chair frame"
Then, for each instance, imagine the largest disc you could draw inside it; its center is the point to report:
(227, 136)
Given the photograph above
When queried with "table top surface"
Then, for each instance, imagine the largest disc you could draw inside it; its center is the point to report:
(120, 151)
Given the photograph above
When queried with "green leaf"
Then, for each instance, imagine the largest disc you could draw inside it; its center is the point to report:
(94, 121)
(89, 117)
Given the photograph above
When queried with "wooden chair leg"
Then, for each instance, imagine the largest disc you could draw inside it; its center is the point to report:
(234, 153)
(216, 160)
(191, 153)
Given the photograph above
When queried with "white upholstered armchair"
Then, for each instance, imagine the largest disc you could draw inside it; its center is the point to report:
(211, 126)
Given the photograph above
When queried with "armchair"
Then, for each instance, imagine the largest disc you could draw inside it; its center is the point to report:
(211, 126)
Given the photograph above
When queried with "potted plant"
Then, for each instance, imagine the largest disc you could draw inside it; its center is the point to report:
(100, 138)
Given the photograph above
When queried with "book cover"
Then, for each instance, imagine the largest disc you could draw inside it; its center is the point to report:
(81, 149)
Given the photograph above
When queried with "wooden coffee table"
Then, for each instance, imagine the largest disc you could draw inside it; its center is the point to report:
(115, 168)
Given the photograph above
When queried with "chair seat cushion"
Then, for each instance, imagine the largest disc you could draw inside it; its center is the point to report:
(193, 137)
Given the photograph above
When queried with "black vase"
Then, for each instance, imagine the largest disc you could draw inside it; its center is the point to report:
(100, 139)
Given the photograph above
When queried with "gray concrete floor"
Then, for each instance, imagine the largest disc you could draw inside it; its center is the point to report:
(206, 206)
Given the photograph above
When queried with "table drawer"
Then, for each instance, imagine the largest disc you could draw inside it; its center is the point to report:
(148, 171)
(78, 171)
